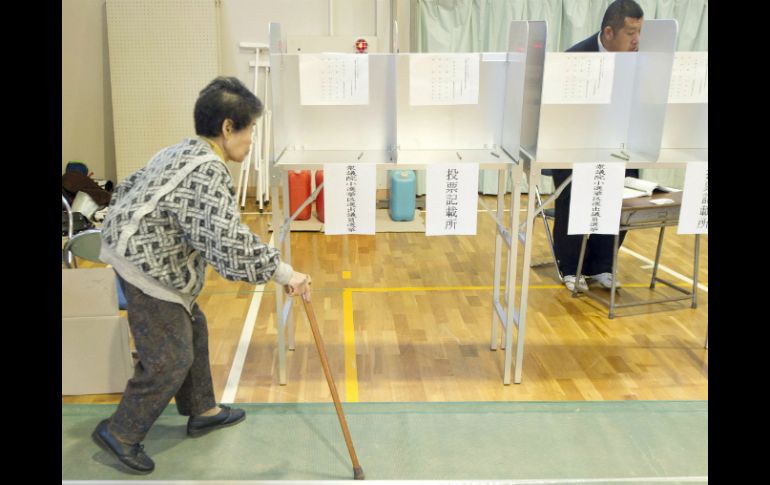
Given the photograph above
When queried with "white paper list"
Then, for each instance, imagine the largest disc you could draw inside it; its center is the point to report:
(442, 79)
(451, 192)
(333, 79)
(578, 78)
(689, 78)
(350, 198)
(694, 213)
(597, 197)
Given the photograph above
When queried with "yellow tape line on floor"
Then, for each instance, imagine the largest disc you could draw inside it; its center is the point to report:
(349, 341)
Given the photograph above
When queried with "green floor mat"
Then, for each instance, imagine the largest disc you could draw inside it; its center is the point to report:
(625, 441)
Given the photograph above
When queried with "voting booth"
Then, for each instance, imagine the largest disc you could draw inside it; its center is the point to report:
(355, 114)
(516, 112)
(684, 139)
(610, 108)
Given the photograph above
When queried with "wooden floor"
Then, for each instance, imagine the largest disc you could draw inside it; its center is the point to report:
(415, 340)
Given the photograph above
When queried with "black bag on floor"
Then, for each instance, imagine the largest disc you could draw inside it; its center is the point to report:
(79, 223)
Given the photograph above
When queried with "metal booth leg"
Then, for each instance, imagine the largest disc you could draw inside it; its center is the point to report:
(580, 265)
(615, 244)
(657, 257)
(695, 276)
(510, 291)
(499, 241)
(280, 322)
(286, 253)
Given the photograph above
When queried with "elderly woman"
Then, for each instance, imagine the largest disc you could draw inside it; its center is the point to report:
(165, 223)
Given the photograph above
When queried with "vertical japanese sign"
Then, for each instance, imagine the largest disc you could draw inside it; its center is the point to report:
(451, 199)
(597, 197)
(694, 214)
(350, 198)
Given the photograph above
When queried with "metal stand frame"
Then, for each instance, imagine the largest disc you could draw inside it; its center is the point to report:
(525, 238)
(282, 231)
(261, 136)
(504, 311)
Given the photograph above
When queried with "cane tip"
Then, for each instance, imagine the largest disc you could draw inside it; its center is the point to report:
(358, 473)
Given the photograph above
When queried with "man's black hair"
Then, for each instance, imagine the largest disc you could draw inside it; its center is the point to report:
(617, 11)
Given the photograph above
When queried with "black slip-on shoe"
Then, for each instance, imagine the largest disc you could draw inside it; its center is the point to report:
(131, 455)
(200, 425)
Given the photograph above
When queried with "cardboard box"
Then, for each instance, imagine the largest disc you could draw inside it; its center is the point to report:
(96, 355)
(88, 292)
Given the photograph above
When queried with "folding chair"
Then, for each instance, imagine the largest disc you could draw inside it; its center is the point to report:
(85, 245)
(547, 214)
(67, 207)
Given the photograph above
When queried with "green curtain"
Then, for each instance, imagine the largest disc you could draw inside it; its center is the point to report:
(482, 26)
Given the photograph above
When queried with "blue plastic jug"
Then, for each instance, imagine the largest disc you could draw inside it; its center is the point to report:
(403, 190)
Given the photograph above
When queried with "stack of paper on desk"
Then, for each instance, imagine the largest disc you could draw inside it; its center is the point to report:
(634, 187)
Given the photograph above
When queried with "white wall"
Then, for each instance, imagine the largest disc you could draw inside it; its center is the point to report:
(87, 128)
(86, 99)
(247, 21)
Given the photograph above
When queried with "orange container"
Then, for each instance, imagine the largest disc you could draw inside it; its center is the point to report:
(319, 201)
(299, 191)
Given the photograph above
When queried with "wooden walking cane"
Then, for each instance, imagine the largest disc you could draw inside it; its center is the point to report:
(358, 472)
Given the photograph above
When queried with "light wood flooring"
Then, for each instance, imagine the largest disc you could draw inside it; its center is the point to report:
(416, 340)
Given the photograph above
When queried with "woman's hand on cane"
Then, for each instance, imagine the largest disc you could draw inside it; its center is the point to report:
(299, 285)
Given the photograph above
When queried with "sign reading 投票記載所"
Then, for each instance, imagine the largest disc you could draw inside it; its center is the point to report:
(694, 214)
(451, 199)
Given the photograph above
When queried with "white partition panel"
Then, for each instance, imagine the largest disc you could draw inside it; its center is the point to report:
(653, 74)
(518, 36)
(533, 85)
(389, 129)
(456, 126)
(632, 120)
(589, 126)
(463, 133)
(687, 123)
(332, 134)
(686, 126)
(345, 127)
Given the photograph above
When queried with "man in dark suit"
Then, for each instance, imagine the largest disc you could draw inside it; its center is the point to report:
(621, 26)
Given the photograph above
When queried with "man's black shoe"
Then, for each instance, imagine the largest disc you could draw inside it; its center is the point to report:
(200, 425)
(132, 456)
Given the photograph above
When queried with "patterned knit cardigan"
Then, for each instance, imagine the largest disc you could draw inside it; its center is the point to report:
(179, 212)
